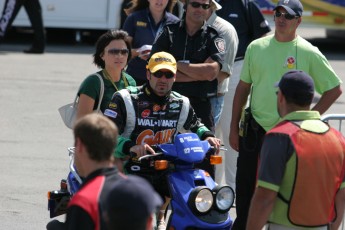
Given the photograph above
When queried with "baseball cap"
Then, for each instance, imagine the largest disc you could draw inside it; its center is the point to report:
(131, 200)
(162, 60)
(293, 7)
(297, 85)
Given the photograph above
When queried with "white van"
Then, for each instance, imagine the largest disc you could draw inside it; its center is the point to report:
(75, 14)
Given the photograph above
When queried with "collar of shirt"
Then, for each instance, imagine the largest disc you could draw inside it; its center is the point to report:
(302, 115)
(212, 18)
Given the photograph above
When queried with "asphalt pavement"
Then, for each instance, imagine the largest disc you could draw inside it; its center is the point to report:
(33, 138)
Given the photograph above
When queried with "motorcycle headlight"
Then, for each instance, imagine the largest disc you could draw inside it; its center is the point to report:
(201, 199)
(224, 197)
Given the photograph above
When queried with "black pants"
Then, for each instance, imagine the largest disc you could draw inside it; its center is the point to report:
(203, 110)
(246, 176)
(34, 11)
(55, 225)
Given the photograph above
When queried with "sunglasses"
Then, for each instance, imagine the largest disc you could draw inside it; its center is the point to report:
(118, 51)
(286, 15)
(197, 5)
(160, 74)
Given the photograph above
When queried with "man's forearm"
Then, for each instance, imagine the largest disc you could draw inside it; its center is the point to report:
(200, 71)
(340, 207)
(240, 100)
(181, 77)
(260, 208)
(222, 76)
(327, 99)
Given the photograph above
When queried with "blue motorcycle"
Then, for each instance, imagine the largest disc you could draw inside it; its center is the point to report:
(197, 202)
(58, 199)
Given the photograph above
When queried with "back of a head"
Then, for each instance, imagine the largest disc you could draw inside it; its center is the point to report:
(297, 87)
(98, 134)
(130, 204)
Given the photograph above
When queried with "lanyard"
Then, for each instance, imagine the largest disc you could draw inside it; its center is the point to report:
(153, 31)
(106, 74)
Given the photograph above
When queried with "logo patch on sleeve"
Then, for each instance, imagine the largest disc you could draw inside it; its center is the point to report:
(110, 113)
(220, 44)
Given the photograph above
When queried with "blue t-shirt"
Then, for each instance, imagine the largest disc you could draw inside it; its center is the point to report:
(141, 27)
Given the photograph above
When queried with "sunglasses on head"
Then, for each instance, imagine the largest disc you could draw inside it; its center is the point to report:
(118, 51)
(197, 5)
(160, 74)
(286, 15)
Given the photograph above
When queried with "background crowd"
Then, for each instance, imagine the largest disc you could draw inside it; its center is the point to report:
(218, 56)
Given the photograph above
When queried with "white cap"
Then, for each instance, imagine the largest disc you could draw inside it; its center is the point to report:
(218, 6)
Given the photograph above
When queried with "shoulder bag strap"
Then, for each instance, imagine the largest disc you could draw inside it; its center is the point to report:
(130, 112)
(101, 93)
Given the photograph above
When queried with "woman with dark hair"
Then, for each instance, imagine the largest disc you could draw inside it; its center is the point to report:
(113, 51)
(145, 19)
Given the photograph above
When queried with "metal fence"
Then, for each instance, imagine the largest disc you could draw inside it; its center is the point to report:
(336, 121)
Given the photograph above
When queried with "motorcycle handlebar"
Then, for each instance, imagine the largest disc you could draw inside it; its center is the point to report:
(149, 156)
(133, 154)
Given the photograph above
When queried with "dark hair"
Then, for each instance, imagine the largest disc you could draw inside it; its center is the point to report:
(104, 40)
(137, 5)
(117, 223)
(99, 135)
(299, 98)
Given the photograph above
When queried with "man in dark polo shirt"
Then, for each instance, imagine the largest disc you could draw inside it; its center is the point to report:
(199, 52)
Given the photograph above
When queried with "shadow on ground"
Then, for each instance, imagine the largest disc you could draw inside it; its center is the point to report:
(68, 41)
(57, 40)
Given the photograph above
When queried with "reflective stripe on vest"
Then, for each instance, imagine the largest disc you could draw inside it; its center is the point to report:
(183, 115)
(319, 173)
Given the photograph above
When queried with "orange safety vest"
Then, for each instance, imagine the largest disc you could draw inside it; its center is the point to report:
(320, 168)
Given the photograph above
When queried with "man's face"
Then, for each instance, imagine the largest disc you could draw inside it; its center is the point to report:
(196, 11)
(284, 22)
(161, 81)
(79, 156)
(78, 160)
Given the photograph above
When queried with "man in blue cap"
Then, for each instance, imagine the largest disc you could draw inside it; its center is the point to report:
(131, 205)
(302, 165)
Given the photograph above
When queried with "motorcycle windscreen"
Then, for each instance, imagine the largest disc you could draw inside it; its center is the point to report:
(189, 148)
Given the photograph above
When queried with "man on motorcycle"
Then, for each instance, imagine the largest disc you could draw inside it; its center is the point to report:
(153, 114)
